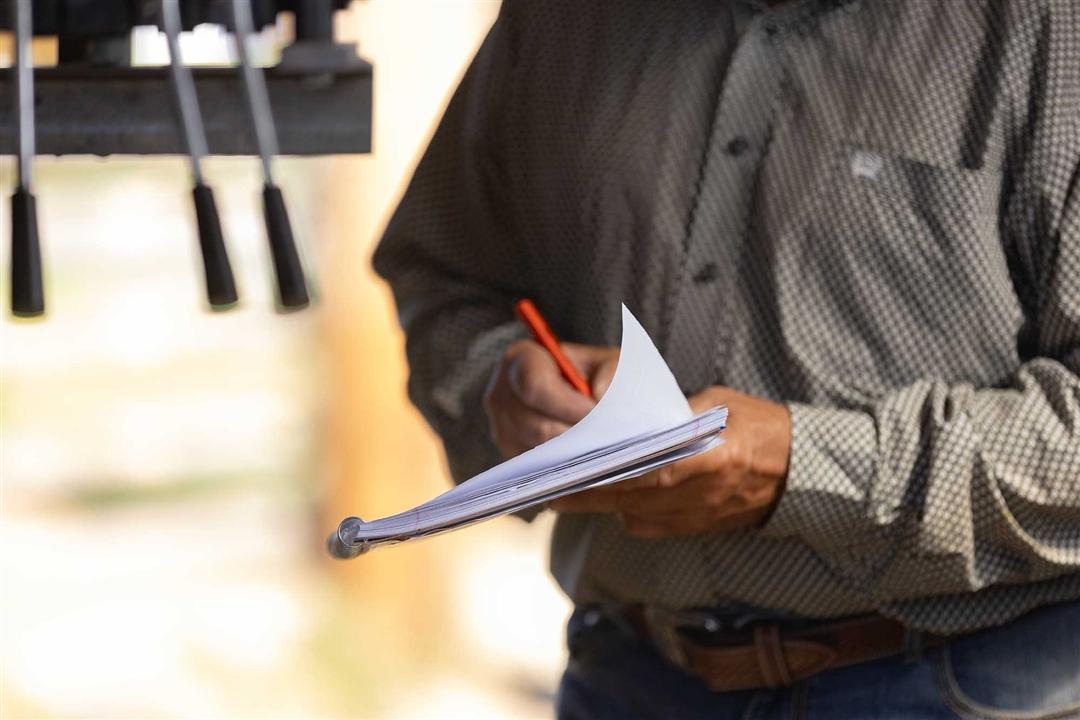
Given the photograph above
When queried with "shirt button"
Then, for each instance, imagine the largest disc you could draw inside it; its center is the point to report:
(771, 28)
(708, 273)
(737, 146)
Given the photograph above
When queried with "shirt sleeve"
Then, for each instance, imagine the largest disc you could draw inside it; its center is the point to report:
(944, 487)
(450, 258)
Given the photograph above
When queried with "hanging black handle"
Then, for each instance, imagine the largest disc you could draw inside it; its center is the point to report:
(220, 287)
(292, 289)
(27, 291)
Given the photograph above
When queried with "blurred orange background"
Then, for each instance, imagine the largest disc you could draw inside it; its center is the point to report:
(169, 474)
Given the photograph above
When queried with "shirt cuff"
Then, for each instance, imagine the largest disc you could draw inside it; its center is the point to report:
(458, 392)
(830, 476)
(458, 399)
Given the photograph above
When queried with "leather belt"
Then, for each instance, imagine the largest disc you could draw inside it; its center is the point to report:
(767, 656)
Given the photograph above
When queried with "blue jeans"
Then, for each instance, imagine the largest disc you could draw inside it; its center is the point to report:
(1028, 668)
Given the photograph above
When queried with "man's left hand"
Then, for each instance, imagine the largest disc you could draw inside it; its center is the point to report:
(731, 486)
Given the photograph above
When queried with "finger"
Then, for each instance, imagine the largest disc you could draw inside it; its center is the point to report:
(681, 471)
(614, 496)
(675, 473)
(646, 529)
(712, 506)
(702, 402)
(536, 381)
(710, 398)
(589, 358)
(691, 495)
(652, 479)
(601, 379)
(532, 428)
(524, 428)
(693, 517)
(590, 501)
(597, 363)
(675, 526)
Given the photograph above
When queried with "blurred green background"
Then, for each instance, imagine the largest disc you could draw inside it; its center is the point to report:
(169, 474)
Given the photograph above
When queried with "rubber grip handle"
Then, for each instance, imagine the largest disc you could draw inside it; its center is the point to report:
(292, 288)
(220, 286)
(27, 290)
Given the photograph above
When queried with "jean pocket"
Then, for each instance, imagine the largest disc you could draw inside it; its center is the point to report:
(1028, 669)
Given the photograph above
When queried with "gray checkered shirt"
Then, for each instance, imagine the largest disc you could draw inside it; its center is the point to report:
(868, 210)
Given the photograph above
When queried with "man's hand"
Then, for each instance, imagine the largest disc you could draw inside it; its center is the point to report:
(528, 401)
(734, 485)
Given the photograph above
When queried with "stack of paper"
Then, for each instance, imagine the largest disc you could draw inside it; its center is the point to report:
(643, 422)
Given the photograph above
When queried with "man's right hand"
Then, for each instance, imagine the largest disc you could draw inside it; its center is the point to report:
(528, 401)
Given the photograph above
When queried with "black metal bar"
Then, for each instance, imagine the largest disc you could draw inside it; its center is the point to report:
(95, 18)
(129, 111)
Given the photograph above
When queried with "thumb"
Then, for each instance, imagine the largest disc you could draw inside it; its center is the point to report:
(601, 379)
(589, 358)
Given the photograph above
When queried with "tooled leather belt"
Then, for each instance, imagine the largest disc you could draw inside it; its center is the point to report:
(767, 656)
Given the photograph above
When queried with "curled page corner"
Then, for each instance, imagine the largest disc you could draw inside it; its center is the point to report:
(643, 397)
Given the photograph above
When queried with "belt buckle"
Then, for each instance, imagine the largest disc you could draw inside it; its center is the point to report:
(663, 629)
(663, 625)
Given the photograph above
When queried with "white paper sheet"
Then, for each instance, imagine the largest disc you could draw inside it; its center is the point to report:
(642, 422)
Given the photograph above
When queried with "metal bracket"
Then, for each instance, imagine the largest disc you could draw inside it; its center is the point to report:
(130, 111)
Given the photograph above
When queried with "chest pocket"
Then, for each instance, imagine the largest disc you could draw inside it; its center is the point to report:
(899, 274)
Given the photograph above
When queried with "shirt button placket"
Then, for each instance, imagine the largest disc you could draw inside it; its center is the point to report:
(704, 316)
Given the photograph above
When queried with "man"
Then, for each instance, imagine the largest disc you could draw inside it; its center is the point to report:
(857, 224)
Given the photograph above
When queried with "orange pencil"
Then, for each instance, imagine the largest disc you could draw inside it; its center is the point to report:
(532, 318)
